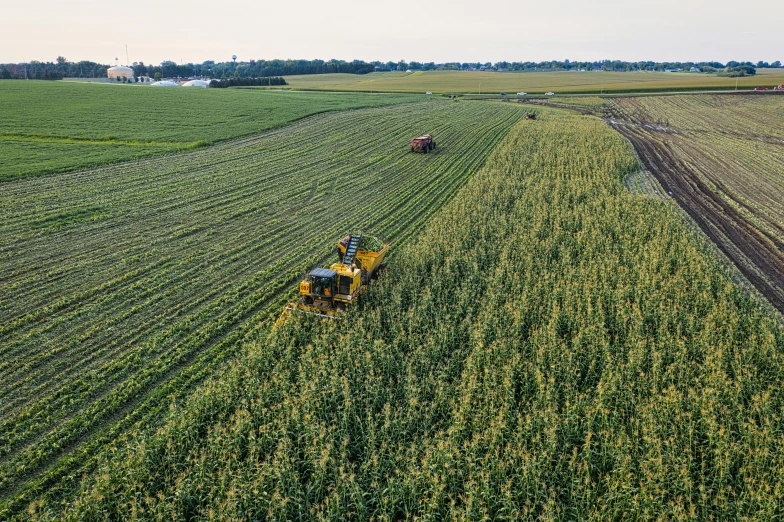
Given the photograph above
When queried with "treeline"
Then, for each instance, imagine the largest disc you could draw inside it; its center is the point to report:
(739, 71)
(248, 82)
(276, 68)
(57, 70)
(252, 68)
(267, 68)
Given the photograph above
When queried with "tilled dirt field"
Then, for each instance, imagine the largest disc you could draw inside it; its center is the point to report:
(729, 186)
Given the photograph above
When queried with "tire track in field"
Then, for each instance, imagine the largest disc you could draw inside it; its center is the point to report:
(758, 255)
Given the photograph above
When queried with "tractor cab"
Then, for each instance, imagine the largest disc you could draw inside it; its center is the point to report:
(423, 143)
(319, 285)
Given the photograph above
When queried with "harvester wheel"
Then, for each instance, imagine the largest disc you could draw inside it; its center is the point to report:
(434, 144)
(307, 300)
(424, 149)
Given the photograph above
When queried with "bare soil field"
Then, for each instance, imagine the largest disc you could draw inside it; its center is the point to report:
(721, 157)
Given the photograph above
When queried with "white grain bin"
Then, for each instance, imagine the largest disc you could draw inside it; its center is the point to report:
(165, 83)
(196, 83)
(119, 71)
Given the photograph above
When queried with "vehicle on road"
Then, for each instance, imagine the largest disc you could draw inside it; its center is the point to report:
(522, 93)
(428, 92)
(549, 94)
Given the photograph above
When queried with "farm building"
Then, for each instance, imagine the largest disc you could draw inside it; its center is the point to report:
(165, 83)
(119, 71)
(196, 83)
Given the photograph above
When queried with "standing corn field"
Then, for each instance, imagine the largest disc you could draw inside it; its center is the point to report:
(552, 347)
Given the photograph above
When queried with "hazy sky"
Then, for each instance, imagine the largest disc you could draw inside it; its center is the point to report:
(425, 30)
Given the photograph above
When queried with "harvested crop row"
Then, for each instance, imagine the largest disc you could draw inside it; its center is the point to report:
(56, 126)
(551, 347)
(721, 158)
(187, 256)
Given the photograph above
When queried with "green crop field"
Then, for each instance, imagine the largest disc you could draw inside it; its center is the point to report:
(480, 82)
(56, 126)
(722, 158)
(122, 286)
(550, 347)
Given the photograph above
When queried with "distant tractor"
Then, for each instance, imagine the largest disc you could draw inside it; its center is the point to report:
(530, 116)
(423, 143)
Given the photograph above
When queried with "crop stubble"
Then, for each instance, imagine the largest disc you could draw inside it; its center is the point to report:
(550, 347)
(721, 158)
(108, 312)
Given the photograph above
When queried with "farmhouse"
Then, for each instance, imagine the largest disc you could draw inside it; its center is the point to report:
(119, 71)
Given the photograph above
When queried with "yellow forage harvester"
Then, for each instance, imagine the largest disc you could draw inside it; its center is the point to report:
(327, 292)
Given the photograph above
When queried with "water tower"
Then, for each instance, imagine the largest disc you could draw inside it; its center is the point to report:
(234, 58)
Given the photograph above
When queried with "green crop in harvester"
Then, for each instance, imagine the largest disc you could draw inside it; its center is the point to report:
(371, 244)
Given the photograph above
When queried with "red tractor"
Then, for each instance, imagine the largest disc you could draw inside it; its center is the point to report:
(423, 144)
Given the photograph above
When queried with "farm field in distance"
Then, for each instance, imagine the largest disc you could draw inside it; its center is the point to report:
(122, 286)
(533, 82)
(549, 347)
(722, 159)
(56, 126)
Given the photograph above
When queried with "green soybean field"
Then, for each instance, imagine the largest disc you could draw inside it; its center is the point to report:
(123, 286)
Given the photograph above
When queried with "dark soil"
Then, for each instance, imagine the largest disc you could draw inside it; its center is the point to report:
(723, 224)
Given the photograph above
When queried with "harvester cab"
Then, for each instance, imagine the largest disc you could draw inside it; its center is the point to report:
(331, 289)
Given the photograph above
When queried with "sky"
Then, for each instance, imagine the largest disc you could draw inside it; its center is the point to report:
(424, 31)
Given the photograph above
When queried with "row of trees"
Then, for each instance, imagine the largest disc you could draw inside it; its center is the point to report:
(259, 68)
(266, 68)
(248, 82)
(61, 68)
(738, 71)
(252, 68)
